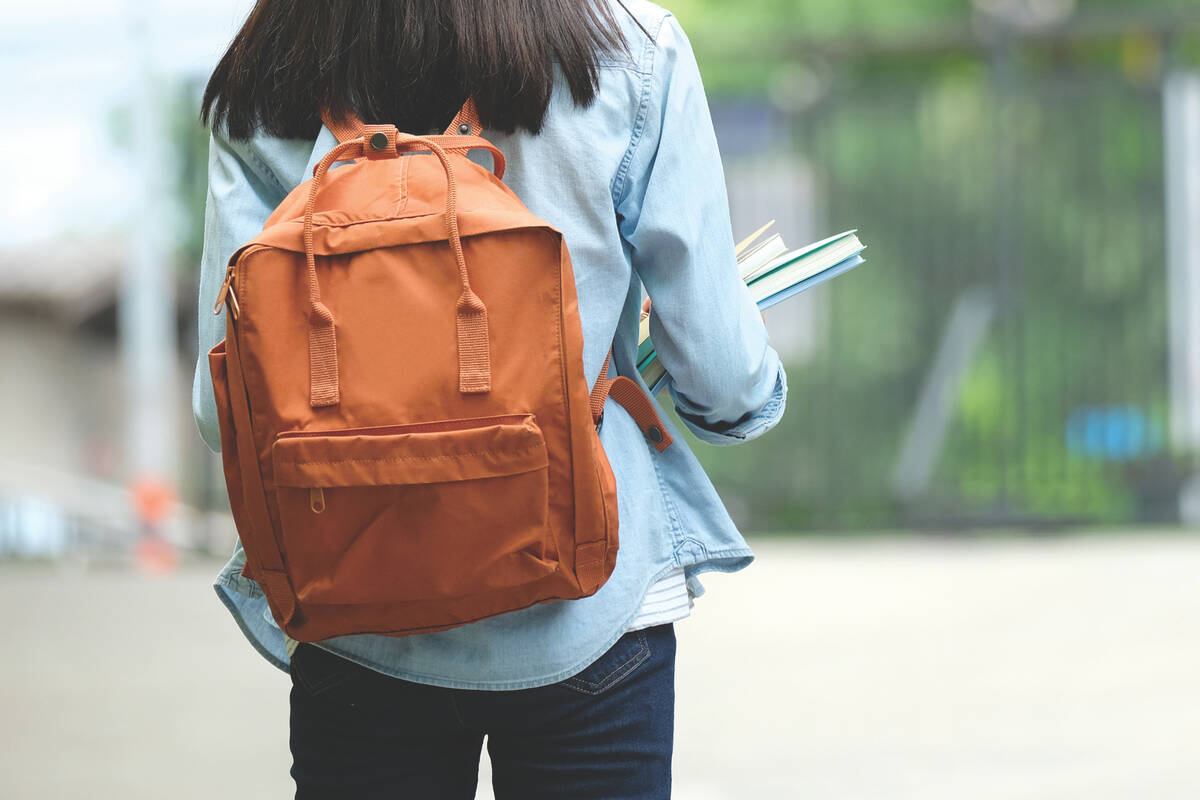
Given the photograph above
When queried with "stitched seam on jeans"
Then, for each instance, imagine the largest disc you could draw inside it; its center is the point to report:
(329, 682)
(612, 678)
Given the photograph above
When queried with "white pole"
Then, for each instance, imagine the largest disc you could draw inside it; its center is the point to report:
(1181, 122)
(147, 307)
(962, 337)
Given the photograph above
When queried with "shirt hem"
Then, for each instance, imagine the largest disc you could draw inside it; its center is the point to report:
(727, 560)
(222, 589)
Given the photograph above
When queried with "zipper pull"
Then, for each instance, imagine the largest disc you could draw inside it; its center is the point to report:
(227, 293)
(316, 499)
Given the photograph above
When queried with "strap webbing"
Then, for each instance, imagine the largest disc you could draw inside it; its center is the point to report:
(600, 390)
(351, 127)
(467, 115)
(634, 400)
(474, 355)
(345, 129)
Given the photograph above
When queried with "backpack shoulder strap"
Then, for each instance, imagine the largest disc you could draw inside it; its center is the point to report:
(350, 127)
(465, 123)
(634, 400)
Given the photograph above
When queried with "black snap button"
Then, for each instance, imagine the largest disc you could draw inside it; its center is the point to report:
(464, 129)
(379, 141)
(654, 434)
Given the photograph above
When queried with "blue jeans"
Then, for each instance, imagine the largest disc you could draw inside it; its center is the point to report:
(605, 733)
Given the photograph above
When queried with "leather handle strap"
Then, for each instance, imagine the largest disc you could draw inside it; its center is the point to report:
(474, 355)
(634, 400)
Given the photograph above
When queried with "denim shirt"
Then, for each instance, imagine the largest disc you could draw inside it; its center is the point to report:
(635, 184)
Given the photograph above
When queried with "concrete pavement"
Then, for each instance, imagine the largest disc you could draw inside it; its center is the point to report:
(931, 669)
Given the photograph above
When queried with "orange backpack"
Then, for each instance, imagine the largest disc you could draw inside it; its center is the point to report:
(408, 438)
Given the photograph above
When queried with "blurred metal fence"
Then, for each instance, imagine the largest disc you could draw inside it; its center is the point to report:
(1003, 356)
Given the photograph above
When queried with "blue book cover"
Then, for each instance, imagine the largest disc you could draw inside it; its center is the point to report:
(808, 283)
(656, 377)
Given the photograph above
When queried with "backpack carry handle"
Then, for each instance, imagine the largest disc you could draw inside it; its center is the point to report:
(461, 136)
(474, 356)
(464, 144)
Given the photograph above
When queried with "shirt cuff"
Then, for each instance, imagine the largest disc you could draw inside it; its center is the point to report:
(750, 426)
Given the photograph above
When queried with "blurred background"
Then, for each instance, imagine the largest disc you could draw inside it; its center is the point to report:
(976, 523)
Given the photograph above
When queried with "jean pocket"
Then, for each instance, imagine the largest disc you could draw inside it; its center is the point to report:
(619, 662)
(317, 671)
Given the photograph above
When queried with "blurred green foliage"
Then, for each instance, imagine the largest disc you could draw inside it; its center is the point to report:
(744, 46)
(1035, 173)
(717, 23)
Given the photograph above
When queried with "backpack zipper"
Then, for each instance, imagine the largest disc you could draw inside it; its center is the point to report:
(435, 426)
(227, 293)
(316, 495)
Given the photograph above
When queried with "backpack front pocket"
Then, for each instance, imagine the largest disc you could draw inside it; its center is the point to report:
(419, 512)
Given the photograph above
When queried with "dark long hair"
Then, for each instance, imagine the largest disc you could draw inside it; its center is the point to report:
(411, 63)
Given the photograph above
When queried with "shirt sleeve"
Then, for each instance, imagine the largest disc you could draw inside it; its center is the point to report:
(242, 193)
(726, 381)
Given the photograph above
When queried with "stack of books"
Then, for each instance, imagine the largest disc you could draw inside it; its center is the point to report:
(773, 274)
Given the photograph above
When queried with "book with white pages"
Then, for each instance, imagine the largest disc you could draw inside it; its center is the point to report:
(800, 265)
(773, 274)
(829, 251)
(762, 255)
